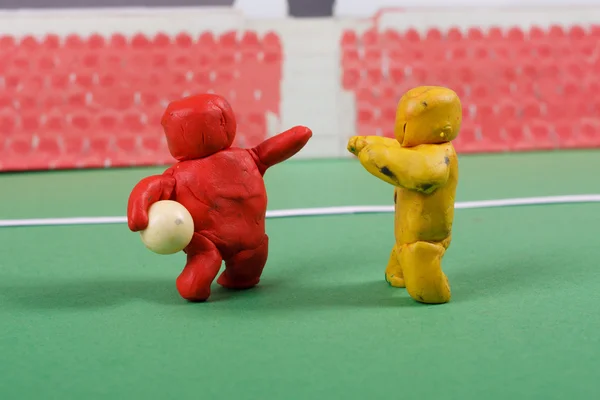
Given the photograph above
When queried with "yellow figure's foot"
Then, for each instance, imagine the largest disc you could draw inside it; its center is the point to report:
(421, 265)
(393, 271)
(395, 281)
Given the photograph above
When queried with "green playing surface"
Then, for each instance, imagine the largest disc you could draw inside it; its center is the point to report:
(86, 312)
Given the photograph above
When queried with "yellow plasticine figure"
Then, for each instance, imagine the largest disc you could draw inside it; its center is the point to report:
(422, 165)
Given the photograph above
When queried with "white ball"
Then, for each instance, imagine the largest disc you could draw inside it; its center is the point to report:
(170, 227)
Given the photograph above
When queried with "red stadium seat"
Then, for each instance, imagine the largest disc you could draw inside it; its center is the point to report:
(96, 41)
(541, 135)
(30, 122)
(390, 39)
(433, 37)
(454, 34)
(128, 144)
(530, 109)
(485, 115)
(515, 35)
(412, 36)
(475, 34)
(228, 40)
(8, 122)
(271, 43)
(6, 101)
(556, 32)
(370, 38)
(74, 145)
(161, 41)
(21, 146)
(515, 135)
(588, 133)
(7, 42)
(153, 144)
(349, 40)
(48, 147)
(351, 78)
(467, 141)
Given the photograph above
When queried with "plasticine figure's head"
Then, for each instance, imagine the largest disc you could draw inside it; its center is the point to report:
(198, 126)
(428, 115)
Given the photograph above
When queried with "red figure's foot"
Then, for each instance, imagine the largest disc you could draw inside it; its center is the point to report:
(243, 270)
(203, 264)
(229, 283)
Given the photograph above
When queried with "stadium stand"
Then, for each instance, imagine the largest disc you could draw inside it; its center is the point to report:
(522, 89)
(97, 101)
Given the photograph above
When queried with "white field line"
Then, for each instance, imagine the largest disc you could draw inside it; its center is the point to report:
(323, 211)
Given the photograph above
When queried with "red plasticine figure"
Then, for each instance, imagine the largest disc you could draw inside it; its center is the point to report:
(223, 189)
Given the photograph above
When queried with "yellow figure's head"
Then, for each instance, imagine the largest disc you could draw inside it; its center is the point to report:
(428, 115)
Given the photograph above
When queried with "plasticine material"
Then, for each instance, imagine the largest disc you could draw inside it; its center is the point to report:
(423, 167)
(223, 189)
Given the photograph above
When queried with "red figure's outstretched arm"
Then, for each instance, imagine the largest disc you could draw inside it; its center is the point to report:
(281, 147)
(147, 192)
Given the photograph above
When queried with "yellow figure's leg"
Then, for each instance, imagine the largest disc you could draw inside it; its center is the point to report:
(393, 272)
(422, 268)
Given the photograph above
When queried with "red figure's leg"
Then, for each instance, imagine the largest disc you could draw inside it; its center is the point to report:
(203, 265)
(243, 270)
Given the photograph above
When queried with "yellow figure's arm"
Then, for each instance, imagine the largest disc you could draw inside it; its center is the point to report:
(423, 168)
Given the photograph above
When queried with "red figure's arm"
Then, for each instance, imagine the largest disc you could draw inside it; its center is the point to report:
(281, 147)
(147, 192)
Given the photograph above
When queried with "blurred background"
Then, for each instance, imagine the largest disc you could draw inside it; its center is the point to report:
(83, 83)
